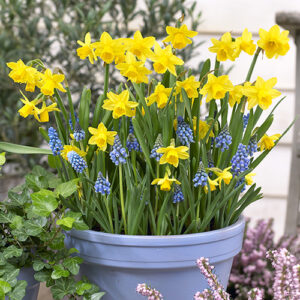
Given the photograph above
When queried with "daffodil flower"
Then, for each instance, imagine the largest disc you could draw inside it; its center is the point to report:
(165, 183)
(101, 136)
(267, 142)
(87, 49)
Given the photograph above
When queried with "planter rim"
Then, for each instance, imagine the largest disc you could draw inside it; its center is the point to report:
(159, 240)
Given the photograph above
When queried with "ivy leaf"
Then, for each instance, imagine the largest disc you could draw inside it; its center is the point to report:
(12, 251)
(4, 287)
(58, 242)
(44, 202)
(81, 287)
(43, 275)
(16, 222)
(78, 224)
(34, 227)
(17, 199)
(66, 222)
(59, 272)
(36, 182)
(66, 189)
(20, 234)
(95, 296)
(72, 264)
(19, 290)
(71, 251)
(10, 275)
(6, 217)
(54, 182)
(38, 265)
(63, 287)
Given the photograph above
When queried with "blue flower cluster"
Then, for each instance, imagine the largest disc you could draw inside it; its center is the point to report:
(70, 120)
(224, 139)
(79, 133)
(240, 161)
(77, 162)
(252, 146)
(178, 194)
(102, 185)
(158, 144)
(241, 182)
(132, 143)
(118, 153)
(184, 132)
(245, 120)
(54, 142)
(201, 177)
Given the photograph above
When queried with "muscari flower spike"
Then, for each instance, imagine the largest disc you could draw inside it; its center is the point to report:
(132, 142)
(77, 162)
(79, 133)
(178, 194)
(158, 144)
(184, 132)
(102, 185)
(252, 146)
(224, 139)
(70, 120)
(54, 142)
(240, 161)
(201, 177)
(118, 153)
(245, 120)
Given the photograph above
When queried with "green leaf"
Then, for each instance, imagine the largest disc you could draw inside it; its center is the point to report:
(34, 227)
(10, 275)
(20, 234)
(16, 222)
(38, 265)
(62, 288)
(59, 272)
(12, 251)
(73, 250)
(15, 148)
(79, 224)
(43, 275)
(66, 222)
(44, 202)
(66, 189)
(19, 290)
(18, 199)
(97, 296)
(4, 287)
(58, 243)
(2, 158)
(6, 217)
(72, 264)
(36, 182)
(81, 287)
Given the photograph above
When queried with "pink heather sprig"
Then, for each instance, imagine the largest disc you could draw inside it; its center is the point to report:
(284, 281)
(217, 289)
(256, 294)
(296, 282)
(205, 295)
(145, 290)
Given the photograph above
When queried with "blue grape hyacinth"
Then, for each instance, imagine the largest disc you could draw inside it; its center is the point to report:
(102, 185)
(252, 146)
(118, 153)
(132, 143)
(184, 132)
(224, 139)
(79, 133)
(245, 120)
(158, 144)
(178, 194)
(201, 177)
(70, 120)
(240, 161)
(77, 162)
(54, 142)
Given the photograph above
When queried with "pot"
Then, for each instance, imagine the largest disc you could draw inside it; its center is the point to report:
(117, 263)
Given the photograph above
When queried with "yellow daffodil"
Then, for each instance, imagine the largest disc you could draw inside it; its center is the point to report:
(29, 107)
(119, 51)
(87, 49)
(120, 104)
(101, 136)
(24, 74)
(261, 93)
(274, 42)
(50, 82)
(216, 87)
(190, 85)
(224, 175)
(212, 185)
(179, 37)
(245, 42)
(133, 69)
(68, 148)
(172, 154)
(267, 142)
(203, 128)
(164, 59)
(225, 48)
(44, 111)
(249, 179)
(160, 96)
(235, 95)
(165, 183)
(139, 46)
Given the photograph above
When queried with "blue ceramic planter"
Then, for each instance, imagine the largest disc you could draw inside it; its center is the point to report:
(117, 263)
(33, 286)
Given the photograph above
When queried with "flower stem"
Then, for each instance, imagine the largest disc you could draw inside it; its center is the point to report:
(109, 214)
(156, 195)
(122, 198)
(253, 64)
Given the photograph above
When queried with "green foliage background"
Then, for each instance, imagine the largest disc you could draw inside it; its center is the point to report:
(49, 30)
